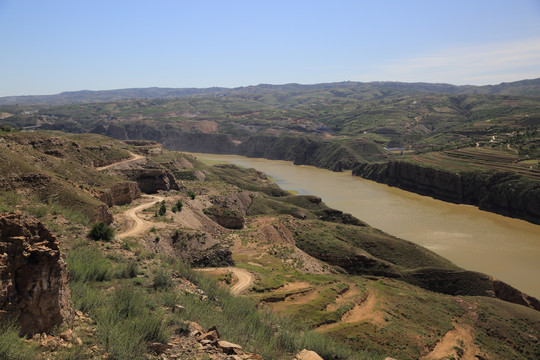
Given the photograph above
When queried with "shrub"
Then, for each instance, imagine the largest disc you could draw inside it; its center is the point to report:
(191, 194)
(162, 210)
(178, 206)
(126, 270)
(101, 231)
(162, 279)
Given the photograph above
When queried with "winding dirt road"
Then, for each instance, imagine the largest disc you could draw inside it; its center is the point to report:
(244, 277)
(132, 158)
(139, 225)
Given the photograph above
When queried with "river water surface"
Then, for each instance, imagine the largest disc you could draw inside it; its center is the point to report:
(505, 248)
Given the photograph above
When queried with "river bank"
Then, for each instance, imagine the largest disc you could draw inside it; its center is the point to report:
(503, 247)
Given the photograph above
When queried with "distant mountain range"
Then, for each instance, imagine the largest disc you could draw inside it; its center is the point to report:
(517, 88)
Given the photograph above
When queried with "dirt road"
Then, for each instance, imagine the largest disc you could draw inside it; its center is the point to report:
(139, 225)
(244, 277)
(132, 158)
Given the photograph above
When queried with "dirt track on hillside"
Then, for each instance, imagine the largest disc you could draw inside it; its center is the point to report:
(244, 277)
(138, 225)
(133, 157)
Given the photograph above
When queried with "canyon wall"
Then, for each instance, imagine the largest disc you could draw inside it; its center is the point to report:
(508, 194)
(302, 150)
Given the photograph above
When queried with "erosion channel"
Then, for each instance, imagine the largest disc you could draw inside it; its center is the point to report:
(506, 248)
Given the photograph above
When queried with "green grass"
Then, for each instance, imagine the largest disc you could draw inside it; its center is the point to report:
(239, 321)
(87, 264)
(128, 317)
(126, 323)
(12, 347)
(9, 200)
(162, 279)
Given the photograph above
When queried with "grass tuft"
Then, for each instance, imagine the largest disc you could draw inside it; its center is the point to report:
(12, 346)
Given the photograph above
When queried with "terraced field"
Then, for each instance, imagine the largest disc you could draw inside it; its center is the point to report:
(480, 158)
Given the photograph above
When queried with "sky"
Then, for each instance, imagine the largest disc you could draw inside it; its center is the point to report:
(48, 47)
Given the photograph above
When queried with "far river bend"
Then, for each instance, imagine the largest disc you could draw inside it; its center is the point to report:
(505, 248)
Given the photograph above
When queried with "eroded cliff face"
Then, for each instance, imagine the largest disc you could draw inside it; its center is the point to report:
(302, 150)
(33, 277)
(504, 193)
(102, 214)
(152, 180)
(121, 193)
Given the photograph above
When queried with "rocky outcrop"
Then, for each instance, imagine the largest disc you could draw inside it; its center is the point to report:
(225, 217)
(307, 355)
(121, 193)
(504, 193)
(237, 202)
(150, 181)
(216, 256)
(275, 233)
(102, 214)
(508, 293)
(33, 278)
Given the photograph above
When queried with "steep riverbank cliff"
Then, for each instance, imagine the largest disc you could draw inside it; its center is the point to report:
(302, 150)
(500, 192)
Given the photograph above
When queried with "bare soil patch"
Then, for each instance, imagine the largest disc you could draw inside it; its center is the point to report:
(461, 337)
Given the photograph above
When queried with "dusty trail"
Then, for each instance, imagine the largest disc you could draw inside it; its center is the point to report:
(244, 277)
(365, 311)
(132, 158)
(461, 337)
(139, 225)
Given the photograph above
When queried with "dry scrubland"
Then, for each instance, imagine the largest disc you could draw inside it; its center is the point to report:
(320, 279)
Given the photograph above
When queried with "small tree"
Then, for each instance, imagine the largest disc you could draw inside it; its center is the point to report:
(101, 231)
(162, 210)
(191, 194)
(178, 206)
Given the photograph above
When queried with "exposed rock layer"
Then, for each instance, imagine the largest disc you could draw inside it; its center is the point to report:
(302, 150)
(152, 180)
(121, 193)
(504, 193)
(33, 277)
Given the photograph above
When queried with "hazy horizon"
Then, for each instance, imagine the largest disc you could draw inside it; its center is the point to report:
(58, 46)
(254, 85)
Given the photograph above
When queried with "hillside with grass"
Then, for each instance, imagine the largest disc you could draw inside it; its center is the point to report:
(489, 130)
(155, 282)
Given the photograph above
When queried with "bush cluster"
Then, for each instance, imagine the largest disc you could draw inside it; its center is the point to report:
(101, 231)
(177, 207)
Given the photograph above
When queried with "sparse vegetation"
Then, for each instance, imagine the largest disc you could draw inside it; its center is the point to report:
(177, 207)
(128, 288)
(85, 263)
(162, 210)
(162, 279)
(101, 231)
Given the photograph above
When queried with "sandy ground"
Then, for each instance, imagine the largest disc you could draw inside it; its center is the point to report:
(139, 225)
(244, 278)
(460, 336)
(365, 311)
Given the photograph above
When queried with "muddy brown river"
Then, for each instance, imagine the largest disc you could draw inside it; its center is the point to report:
(506, 248)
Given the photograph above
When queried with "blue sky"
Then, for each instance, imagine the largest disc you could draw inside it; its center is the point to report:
(51, 46)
